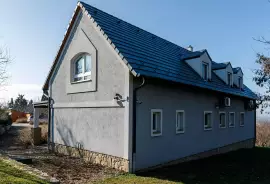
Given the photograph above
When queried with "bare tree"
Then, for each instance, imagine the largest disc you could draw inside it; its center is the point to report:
(4, 62)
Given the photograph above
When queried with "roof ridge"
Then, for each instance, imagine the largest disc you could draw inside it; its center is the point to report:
(152, 34)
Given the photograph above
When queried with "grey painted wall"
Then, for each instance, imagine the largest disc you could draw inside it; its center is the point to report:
(170, 146)
(100, 129)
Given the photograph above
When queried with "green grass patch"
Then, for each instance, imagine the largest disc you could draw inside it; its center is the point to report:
(9, 174)
(246, 166)
(133, 179)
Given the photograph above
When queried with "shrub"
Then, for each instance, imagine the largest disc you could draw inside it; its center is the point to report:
(25, 138)
(44, 134)
(5, 118)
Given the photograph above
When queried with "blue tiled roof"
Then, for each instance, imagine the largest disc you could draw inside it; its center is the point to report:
(235, 70)
(217, 66)
(152, 56)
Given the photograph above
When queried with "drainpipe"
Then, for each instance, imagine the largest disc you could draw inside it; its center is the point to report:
(134, 123)
(49, 120)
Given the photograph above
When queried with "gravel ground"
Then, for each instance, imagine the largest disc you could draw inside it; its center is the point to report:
(66, 169)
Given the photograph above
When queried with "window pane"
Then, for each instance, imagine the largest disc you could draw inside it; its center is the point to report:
(154, 121)
(180, 121)
(222, 120)
(87, 63)
(231, 117)
(205, 69)
(79, 66)
(207, 120)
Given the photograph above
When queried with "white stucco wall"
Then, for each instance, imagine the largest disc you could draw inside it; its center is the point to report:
(90, 116)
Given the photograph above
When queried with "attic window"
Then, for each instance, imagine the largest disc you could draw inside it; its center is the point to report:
(205, 69)
(82, 68)
(240, 82)
(229, 78)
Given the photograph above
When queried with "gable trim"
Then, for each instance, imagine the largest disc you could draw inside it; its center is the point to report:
(66, 36)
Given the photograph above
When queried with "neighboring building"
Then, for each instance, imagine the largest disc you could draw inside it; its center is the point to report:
(185, 103)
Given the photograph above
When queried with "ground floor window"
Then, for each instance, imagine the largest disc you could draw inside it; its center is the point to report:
(222, 119)
(231, 119)
(156, 122)
(180, 121)
(207, 120)
(242, 119)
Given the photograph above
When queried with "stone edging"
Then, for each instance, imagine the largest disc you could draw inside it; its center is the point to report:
(93, 157)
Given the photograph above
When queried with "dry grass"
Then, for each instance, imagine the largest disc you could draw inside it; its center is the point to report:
(21, 120)
(25, 137)
(263, 134)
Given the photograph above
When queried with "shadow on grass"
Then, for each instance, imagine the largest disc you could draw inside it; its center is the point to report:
(243, 166)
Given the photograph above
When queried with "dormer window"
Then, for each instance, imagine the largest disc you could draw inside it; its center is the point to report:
(205, 69)
(240, 82)
(229, 78)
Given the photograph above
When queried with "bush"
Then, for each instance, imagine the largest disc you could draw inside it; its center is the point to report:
(5, 118)
(25, 138)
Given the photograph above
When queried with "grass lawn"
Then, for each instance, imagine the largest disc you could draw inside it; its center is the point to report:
(247, 166)
(11, 175)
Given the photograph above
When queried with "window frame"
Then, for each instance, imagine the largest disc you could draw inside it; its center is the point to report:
(222, 112)
(206, 74)
(240, 82)
(153, 134)
(207, 112)
(176, 122)
(230, 118)
(230, 79)
(241, 125)
(83, 74)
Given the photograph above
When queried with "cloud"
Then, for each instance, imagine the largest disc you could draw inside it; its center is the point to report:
(31, 91)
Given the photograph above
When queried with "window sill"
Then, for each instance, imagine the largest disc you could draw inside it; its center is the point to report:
(207, 129)
(77, 82)
(180, 132)
(231, 126)
(156, 134)
(242, 125)
(222, 127)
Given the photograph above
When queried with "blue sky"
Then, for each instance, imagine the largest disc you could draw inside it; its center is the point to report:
(33, 31)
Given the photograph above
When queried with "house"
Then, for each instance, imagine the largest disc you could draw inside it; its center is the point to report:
(123, 97)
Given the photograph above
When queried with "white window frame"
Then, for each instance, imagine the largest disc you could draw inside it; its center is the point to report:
(229, 118)
(222, 112)
(83, 74)
(207, 70)
(153, 134)
(176, 124)
(241, 125)
(205, 127)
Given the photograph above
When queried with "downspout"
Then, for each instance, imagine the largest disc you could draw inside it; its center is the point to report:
(134, 133)
(49, 120)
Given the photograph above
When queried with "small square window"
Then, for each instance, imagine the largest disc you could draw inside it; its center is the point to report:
(205, 69)
(242, 119)
(180, 121)
(231, 119)
(207, 120)
(222, 119)
(156, 122)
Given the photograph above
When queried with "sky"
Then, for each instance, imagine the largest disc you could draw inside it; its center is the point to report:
(33, 30)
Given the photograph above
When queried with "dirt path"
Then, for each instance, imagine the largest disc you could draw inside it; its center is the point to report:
(66, 169)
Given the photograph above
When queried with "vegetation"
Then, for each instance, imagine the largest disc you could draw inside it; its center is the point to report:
(21, 104)
(5, 118)
(10, 174)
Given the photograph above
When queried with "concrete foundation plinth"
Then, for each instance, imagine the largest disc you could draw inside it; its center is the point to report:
(36, 135)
